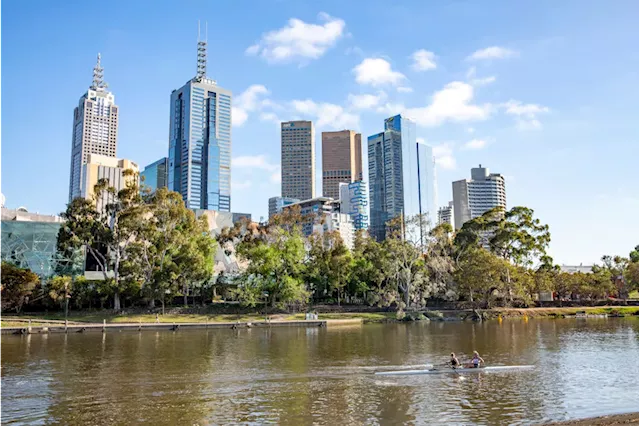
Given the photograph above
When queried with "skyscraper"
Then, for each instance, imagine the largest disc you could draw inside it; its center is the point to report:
(200, 141)
(445, 214)
(471, 198)
(401, 175)
(341, 160)
(298, 160)
(155, 175)
(112, 169)
(276, 204)
(95, 128)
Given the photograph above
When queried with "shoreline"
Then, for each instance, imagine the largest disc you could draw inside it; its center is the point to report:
(610, 420)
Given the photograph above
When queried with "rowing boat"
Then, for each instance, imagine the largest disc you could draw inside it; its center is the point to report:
(454, 370)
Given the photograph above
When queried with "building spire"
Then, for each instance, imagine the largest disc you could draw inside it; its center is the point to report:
(98, 76)
(201, 70)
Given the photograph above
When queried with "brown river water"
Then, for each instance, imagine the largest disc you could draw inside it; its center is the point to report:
(324, 376)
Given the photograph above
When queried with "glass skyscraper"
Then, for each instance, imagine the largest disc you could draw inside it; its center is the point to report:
(155, 175)
(200, 141)
(401, 175)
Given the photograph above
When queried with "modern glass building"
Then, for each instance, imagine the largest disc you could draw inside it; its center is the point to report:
(29, 241)
(200, 141)
(401, 175)
(276, 204)
(155, 175)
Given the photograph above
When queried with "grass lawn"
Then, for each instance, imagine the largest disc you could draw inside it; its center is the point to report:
(366, 316)
(633, 295)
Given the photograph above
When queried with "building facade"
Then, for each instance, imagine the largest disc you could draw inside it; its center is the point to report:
(298, 160)
(102, 167)
(200, 141)
(95, 128)
(29, 240)
(155, 175)
(341, 160)
(276, 204)
(401, 176)
(445, 214)
(354, 201)
(473, 197)
(322, 214)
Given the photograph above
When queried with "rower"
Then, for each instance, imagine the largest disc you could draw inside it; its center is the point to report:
(476, 360)
(454, 361)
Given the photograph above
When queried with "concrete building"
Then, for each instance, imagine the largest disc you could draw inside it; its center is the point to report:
(324, 215)
(276, 204)
(298, 160)
(110, 168)
(200, 141)
(354, 201)
(95, 128)
(155, 175)
(445, 214)
(472, 198)
(401, 175)
(341, 160)
(29, 241)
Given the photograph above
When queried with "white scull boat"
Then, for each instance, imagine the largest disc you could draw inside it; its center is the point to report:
(454, 370)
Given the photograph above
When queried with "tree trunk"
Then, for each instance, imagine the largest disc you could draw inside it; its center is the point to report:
(116, 301)
(163, 306)
(152, 303)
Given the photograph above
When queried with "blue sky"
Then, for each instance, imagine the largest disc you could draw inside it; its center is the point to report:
(544, 92)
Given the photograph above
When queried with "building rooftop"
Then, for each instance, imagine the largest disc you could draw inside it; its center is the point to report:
(22, 215)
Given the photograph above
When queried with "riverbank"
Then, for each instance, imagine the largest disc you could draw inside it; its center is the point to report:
(180, 316)
(615, 420)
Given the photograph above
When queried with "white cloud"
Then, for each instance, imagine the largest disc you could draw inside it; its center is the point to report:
(526, 114)
(423, 60)
(421, 140)
(247, 101)
(366, 101)
(471, 130)
(452, 103)
(403, 89)
(299, 40)
(493, 52)
(327, 115)
(391, 108)
(238, 116)
(254, 162)
(475, 144)
(471, 76)
(377, 72)
(269, 116)
(443, 154)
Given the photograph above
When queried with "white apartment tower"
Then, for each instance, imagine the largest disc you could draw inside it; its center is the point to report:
(445, 214)
(472, 198)
(95, 128)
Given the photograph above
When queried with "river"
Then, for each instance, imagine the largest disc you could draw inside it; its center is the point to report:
(297, 376)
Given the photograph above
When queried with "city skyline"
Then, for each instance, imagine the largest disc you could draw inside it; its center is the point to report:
(518, 104)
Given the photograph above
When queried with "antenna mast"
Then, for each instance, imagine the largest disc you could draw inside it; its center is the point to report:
(201, 70)
(98, 77)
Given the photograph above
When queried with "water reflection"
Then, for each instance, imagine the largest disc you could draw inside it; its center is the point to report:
(324, 376)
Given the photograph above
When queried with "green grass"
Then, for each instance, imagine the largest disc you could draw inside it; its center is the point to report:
(146, 318)
(633, 295)
(22, 324)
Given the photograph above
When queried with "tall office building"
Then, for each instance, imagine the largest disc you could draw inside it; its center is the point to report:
(298, 160)
(155, 175)
(401, 175)
(471, 198)
(341, 160)
(200, 141)
(95, 128)
(112, 169)
(355, 202)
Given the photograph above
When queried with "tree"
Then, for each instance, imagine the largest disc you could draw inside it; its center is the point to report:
(17, 285)
(106, 234)
(480, 274)
(370, 271)
(406, 246)
(439, 260)
(276, 267)
(329, 263)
